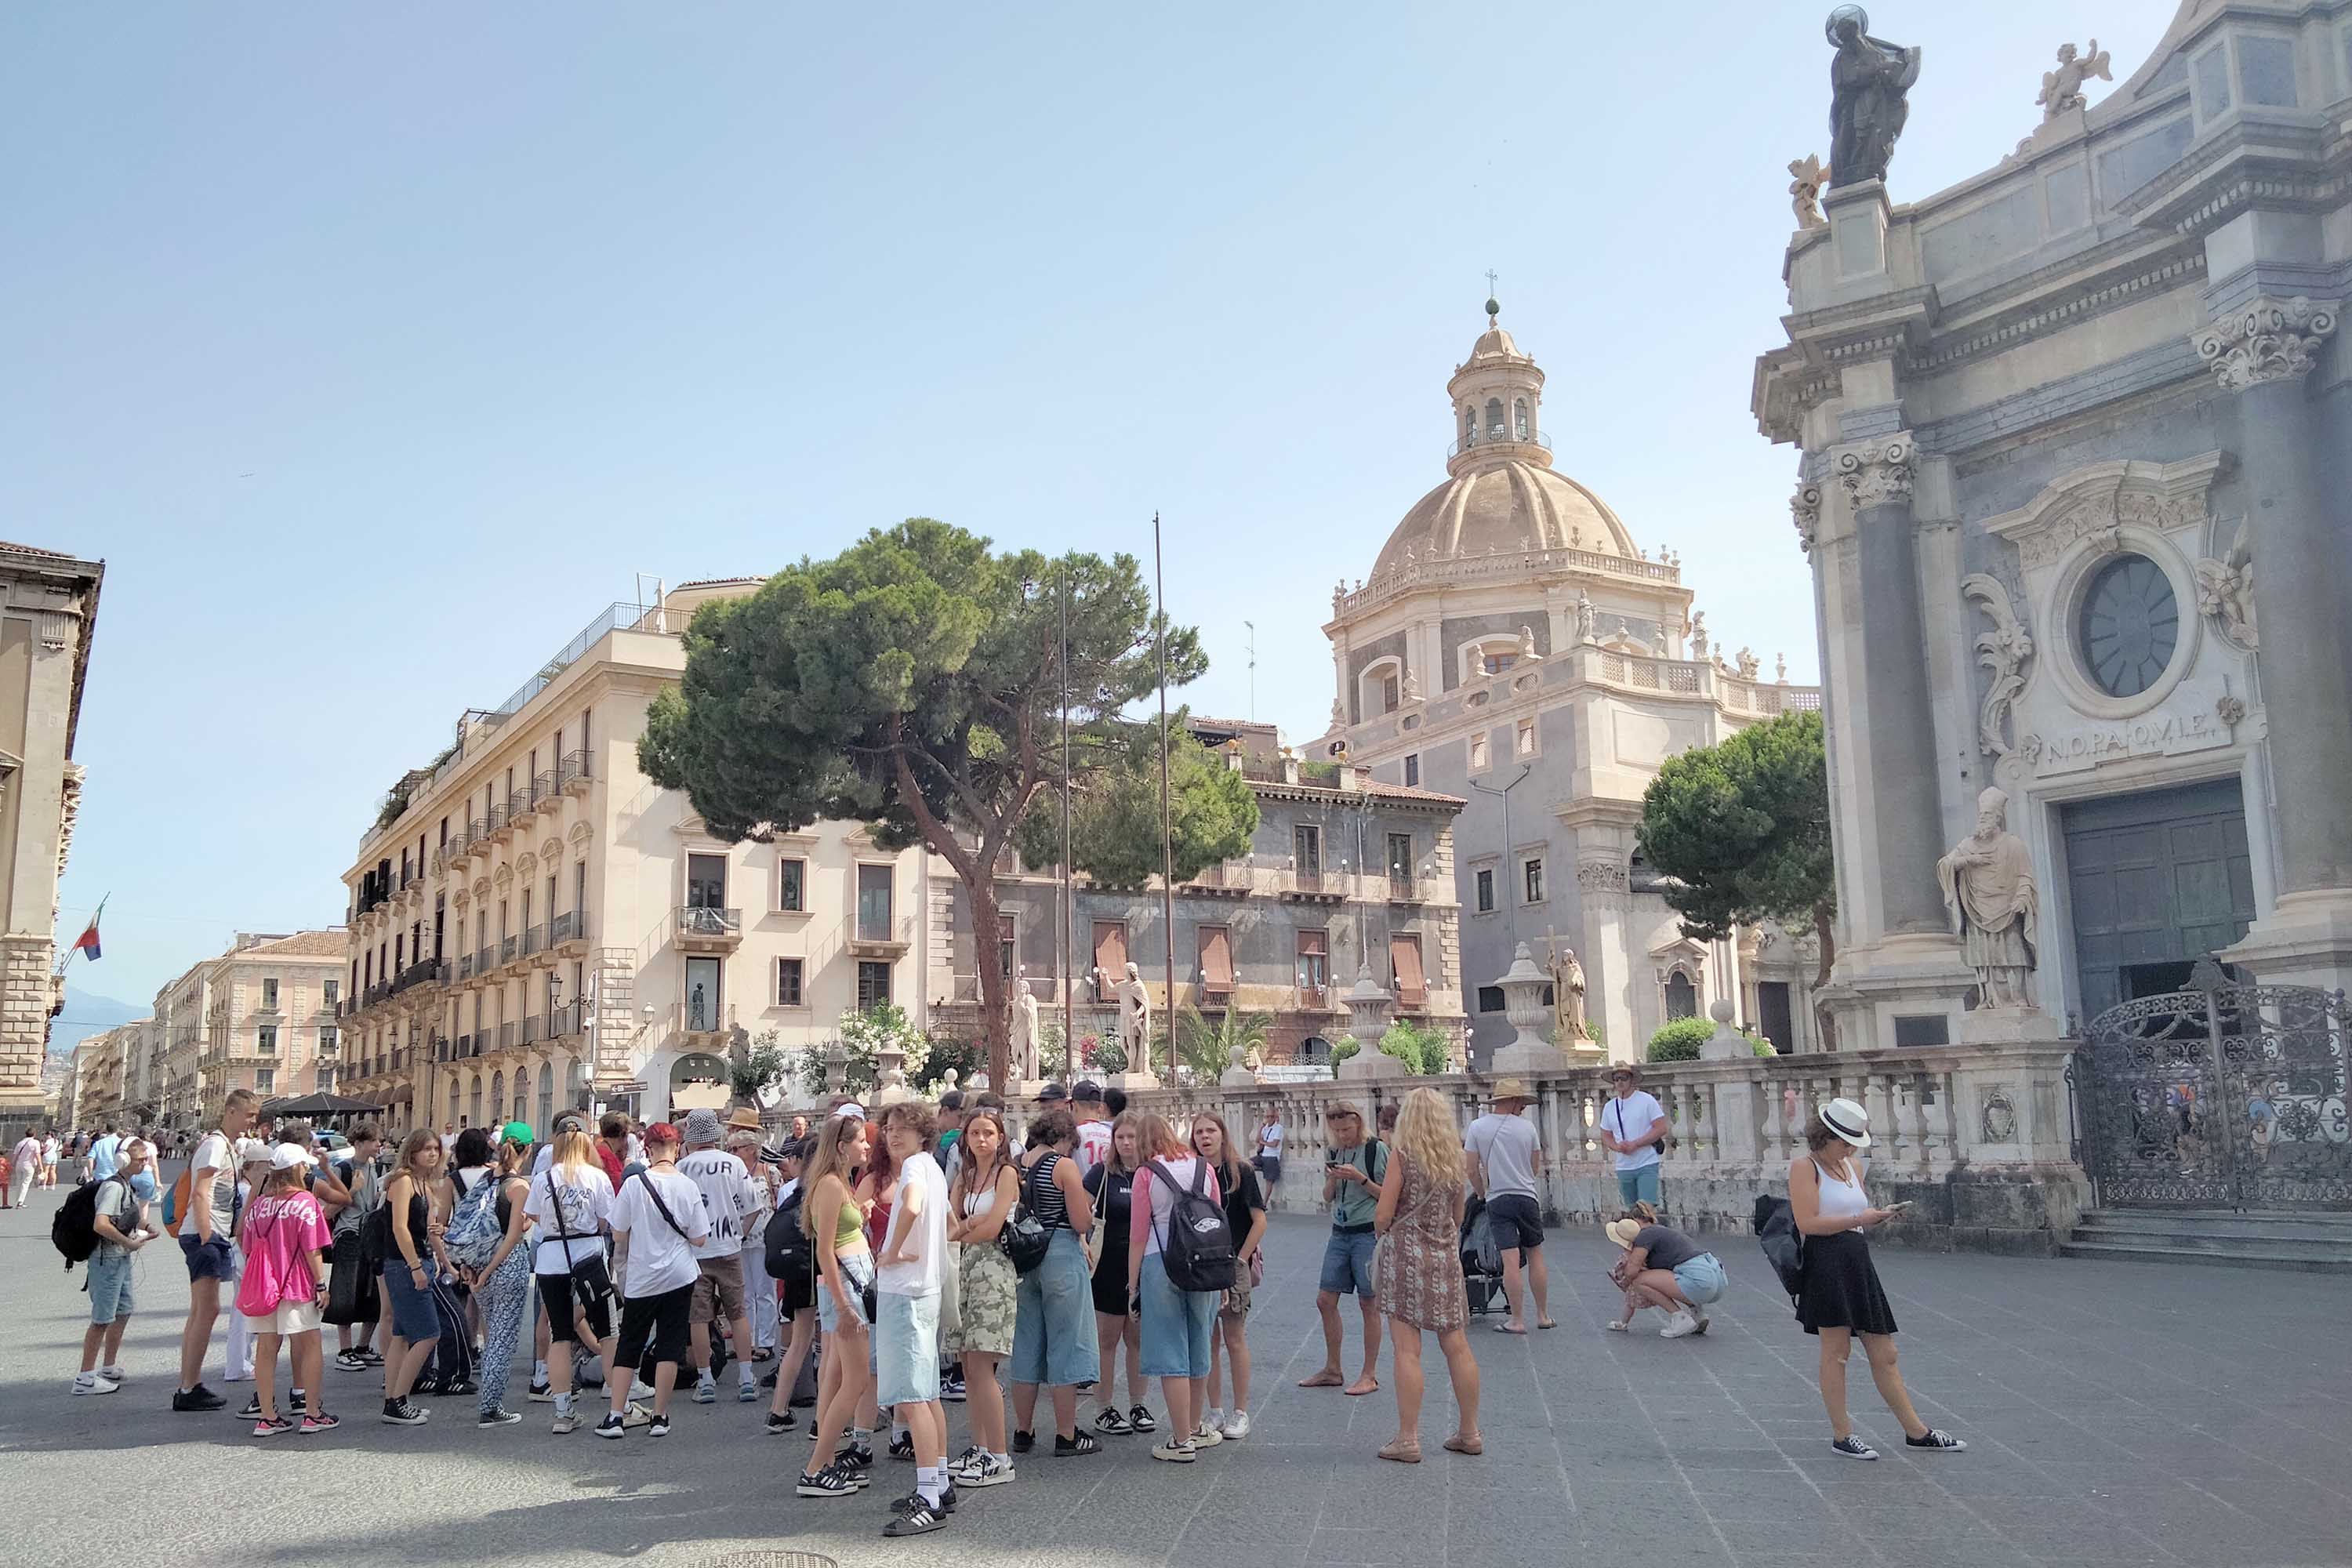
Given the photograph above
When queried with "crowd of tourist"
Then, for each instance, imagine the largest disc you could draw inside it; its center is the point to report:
(874, 1270)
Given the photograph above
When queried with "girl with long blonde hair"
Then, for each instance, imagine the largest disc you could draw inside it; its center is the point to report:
(1111, 1186)
(1417, 1274)
(1246, 1217)
(835, 1226)
(569, 1202)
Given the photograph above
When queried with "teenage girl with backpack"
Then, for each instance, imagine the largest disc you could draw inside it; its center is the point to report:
(284, 1240)
(1245, 1217)
(1176, 1323)
(1054, 1322)
(501, 1287)
(981, 1201)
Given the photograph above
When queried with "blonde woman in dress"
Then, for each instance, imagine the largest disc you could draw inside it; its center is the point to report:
(1417, 1277)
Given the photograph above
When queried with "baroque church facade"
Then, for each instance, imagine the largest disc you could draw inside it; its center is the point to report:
(1515, 646)
(2076, 491)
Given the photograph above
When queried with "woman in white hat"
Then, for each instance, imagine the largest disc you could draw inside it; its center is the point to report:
(1842, 1296)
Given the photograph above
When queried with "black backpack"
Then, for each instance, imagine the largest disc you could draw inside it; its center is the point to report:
(74, 1228)
(1023, 1238)
(1198, 1247)
(791, 1256)
(1784, 1247)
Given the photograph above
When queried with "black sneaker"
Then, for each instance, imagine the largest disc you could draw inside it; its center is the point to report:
(1938, 1439)
(902, 1448)
(783, 1423)
(370, 1355)
(830, 1481)
(542, 1393)
(1110, 1422)
(400, 1413)
(351, 1361)
(1024, 1441)
(1853, 1447)
(252, 1410)
(298, 1401)
(856, 1457)
(425, 1388)
(804, 1401)
(769, 1381)
(460, 1388)
(658, 1426)
(497, 1418)
(916, 1518)
(1073, 1447)
(1140, 1417)
(611, 1426)
(952, 1391)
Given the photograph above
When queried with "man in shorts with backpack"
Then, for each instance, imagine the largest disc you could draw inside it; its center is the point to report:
(119, 1228)
(1353, 1168)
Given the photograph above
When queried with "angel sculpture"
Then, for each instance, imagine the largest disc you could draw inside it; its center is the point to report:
(2062, 90)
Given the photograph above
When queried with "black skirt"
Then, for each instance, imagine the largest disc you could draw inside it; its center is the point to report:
(1842, 1288)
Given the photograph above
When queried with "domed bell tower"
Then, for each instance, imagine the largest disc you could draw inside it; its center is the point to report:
(1498, 397)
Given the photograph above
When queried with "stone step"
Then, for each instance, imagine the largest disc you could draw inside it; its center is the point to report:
(2302, 1225)
(2244, 1255)
(2215, 1240)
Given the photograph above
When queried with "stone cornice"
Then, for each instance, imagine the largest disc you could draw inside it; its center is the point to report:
(2073, 300)
(2256, 163)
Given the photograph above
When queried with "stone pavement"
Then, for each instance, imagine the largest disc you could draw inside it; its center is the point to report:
(2116, 1412)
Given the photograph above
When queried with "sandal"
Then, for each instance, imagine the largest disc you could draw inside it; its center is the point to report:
(1510, 1329)
(1473, 1444)
(1324, 1379)
(1401, 1452)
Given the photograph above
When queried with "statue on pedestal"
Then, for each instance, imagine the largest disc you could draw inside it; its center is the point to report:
(1868, 80)
(1585, 632)
(1135, 1020)
(1023, 1027)
(1568, 1025)
(2062, 90)
(1698, 634)
(1988, 882)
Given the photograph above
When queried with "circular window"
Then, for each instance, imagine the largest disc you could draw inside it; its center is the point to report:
(2129, 626)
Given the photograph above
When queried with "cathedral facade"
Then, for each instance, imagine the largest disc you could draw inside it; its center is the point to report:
(1515, 646)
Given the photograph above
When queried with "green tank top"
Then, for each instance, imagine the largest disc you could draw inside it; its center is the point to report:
(848, 1227)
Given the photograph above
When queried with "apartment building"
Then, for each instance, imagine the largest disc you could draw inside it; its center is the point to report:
(535, 925)
(95, 1091)
(268, 1020)
(1345, 876)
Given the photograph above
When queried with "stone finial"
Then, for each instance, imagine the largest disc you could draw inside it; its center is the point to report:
(2269, 340)
(1807, 179)
(2062, 90)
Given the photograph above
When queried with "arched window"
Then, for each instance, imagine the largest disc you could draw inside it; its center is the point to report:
(546, 1098)
(498, 1095)
(453, 1102)
(473, 1103)
(1494, 431)
(1519, 418)
(1469, 425)
(1682, 997)
(575, 1085)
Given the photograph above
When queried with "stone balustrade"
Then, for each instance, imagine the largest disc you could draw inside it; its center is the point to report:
(1981, 1140)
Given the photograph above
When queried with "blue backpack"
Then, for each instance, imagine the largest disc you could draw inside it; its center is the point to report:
(473, 1230)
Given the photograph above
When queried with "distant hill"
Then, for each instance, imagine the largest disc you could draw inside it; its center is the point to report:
(87, 1013)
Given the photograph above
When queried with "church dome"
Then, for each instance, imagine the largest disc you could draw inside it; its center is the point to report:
(1503, 506)
(1502, 496)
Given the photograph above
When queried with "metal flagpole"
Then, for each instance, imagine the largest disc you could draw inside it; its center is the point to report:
(1167, 839)
(1069, 897)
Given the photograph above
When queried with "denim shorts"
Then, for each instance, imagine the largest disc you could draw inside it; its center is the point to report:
(1176, 1323)
(857, 1273)
(110, 1287)
(906, 1348)
(414, 1317)
(1700, 1278)
(1639, 1185)
(208, 1259)
(1347, 1263)
(1054, 1338)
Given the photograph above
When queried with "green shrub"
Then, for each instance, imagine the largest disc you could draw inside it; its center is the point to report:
(1423, 1050)
(1680, 1040)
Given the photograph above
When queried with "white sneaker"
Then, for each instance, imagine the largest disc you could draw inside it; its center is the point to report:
(1214, 1420)
(642, 1392)
(92, 1382)
(112, 1374)
(1236, 1426)
(1679, 1324)
(1206, 1437)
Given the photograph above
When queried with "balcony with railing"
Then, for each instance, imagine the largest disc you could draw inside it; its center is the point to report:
(1497, 435)
(530, 1034)
(565, 1020)
(545, 794)
(509, 948)
(534, 941)
(498, 821)
(567, 927)
(701, 928)
(571, 773)
(884, 937)
(518, 805)
(485, 959)
(461, 1047)
(506, 1035)
(465, 966)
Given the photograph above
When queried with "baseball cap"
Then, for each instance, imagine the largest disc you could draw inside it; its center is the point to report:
(1052, 1094)
(286, 1156)
(249, 1150)
(516, 1133)
(1088, 1088)
(850, 1109)
(702, 1127)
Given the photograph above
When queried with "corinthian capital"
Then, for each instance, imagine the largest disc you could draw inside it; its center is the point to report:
(1876, 475)
(2269, 340)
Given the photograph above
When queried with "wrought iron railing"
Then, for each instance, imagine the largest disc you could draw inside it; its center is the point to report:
(698, 919)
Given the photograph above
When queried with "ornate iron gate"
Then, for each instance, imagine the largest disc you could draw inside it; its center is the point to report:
(2224, 1096)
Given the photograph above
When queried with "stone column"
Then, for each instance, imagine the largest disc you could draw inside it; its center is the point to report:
(1898, 745)
(2265, 353)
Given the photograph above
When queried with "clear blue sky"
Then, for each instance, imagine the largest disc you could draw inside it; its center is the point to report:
(375, 348)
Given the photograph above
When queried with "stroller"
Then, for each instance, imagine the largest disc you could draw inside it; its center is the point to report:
(1482, 1261)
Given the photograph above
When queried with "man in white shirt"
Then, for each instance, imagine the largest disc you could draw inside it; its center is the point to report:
(1094, 1124)
(1632, 1128)
(24, 1168)
(658, 1221)
(727, 1203)
(204, 1242)
(908, 1275)
(1505, 1158)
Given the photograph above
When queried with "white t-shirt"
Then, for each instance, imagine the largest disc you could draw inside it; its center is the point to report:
(659, 1258)
(1093, 1144)
(763, 1207)
(727, 1199)
(1162, 1198)
(26, 1153)
(1505, 1145)
(586, 1201)
(923, 1238)
(1269, 1138)
(212, 1154)
(1630, 1118)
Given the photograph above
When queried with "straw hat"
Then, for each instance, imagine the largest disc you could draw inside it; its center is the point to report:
(1511, 1089)
(1624, 1231)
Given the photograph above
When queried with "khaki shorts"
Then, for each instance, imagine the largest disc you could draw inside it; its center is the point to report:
(291, 1318)
(718, 1290)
